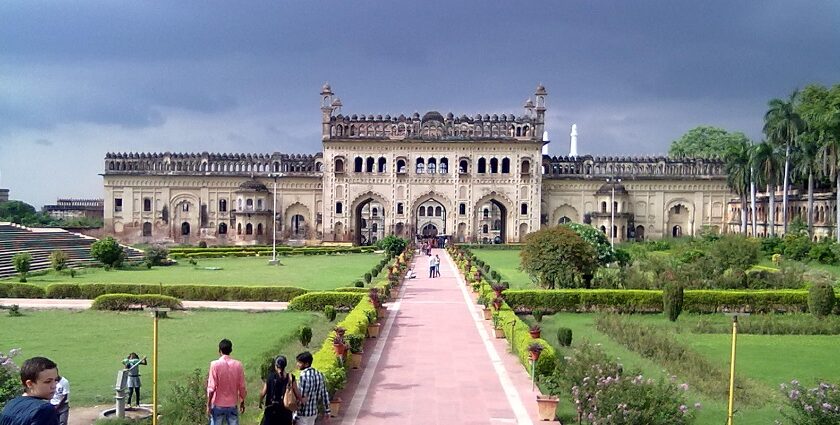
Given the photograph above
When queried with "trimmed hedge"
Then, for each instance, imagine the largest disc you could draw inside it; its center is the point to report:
(315, 301)
(21, 290)
(184, 292)
(132, 302)
(521, 339)
(252, 251)
(650, 301)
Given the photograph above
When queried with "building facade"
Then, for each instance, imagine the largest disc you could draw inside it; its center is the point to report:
(66, 209)
(480, 179)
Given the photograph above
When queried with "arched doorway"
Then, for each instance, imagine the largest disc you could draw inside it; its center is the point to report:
(640, 233)
(679, 220)
(338, 232)
(147, 229)
(185, 229)
(369, 222)
(676, 231)
(523, 231)
(565, 220)
(493, 215)
(298, 227)
(429, 230)
(430, 219)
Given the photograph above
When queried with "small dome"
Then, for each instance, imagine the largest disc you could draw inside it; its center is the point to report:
(540, 90)
(449, 116)
(415, 116)
(253, 185)
(432, 116)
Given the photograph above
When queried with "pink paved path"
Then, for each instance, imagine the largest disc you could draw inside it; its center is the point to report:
(433, 366)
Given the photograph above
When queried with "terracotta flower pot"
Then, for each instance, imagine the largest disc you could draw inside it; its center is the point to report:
(535, 355)
(355, 360)
(547, 407)
(373, 330)
(499, 333)
(340, 349)
(488, 314)
(535, 334)
(335, 406)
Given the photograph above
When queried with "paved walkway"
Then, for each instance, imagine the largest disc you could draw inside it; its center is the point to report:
(45, 303)
(436, 363)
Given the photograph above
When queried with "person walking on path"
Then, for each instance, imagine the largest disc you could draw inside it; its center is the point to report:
(225, 387)
(61, 400)
(437, 266)
(132, 365)
(313, 390)
(39, 376)
(274, 391)
(431, 266)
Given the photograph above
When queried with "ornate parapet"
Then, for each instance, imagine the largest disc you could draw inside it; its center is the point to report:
(222, 164)
(648, 167)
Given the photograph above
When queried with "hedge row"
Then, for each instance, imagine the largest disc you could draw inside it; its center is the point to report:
(21, 290)
(315, 301)
(184, 292)
(123, 302)
(650, 301)
(262, 251)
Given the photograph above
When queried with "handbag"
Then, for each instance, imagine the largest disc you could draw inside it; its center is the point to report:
(290, 399)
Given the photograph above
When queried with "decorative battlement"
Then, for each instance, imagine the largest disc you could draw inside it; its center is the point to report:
(212, 163)
(559, 167)
(78, 203)
(433, 125)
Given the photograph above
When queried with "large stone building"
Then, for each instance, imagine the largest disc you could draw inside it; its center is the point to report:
(481, 178)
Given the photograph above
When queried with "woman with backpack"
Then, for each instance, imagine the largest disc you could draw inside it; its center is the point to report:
(281, 395)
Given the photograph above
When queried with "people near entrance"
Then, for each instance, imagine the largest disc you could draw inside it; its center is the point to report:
(132, 366)
(432, 265)
(313, 390)
(437, 266)
(61, 400)
(281, 395)
(39, 376)
(225, 387)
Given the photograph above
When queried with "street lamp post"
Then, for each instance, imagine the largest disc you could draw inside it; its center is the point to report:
(274, 225)
(612, 210)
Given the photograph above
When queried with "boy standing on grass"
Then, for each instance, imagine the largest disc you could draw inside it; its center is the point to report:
(39, 376)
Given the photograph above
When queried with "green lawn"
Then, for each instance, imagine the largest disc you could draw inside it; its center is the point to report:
(770, 359)
(506, 262)
(90, 345)
(316, 272)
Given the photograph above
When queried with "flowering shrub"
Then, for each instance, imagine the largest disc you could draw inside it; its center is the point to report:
(9, 379)
(813, 406)
(604, 395)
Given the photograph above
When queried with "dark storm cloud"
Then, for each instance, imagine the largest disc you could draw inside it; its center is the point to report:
(216, 75)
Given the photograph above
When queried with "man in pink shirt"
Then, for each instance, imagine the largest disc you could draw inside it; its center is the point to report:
(225, 387)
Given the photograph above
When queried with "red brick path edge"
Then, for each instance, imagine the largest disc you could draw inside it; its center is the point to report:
(436, 362)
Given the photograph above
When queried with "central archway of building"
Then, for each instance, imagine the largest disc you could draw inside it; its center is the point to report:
(492, 222)
(430, 219)
(429, 231)
(369, 222)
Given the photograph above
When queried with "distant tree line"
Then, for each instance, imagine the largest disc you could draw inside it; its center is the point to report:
(20, 212)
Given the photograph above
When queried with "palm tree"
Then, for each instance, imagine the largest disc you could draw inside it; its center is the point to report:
(737, 163)
(825, 125)
(806, 162)
(782, 125)
(765, 160)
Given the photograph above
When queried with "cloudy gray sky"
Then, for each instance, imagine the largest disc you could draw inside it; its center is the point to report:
(79, 79)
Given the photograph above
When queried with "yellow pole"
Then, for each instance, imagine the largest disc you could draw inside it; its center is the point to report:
(155, 370)
(732, 370)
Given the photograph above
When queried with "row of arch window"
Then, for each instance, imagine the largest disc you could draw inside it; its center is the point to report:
(431, 166)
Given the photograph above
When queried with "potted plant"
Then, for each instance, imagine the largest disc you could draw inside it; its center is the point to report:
(547, 403)
(534, 350)
(373, 325)
(535, 331)
(335, 379)
(355, 342)
(538, 314)
(339, 344)
(497, 303)
(476, 287)
(498, 331)
(498, 287)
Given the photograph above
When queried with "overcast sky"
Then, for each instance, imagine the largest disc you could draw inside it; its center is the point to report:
(79, 79)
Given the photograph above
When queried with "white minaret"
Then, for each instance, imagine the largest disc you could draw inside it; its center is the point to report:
(573, 147)
(545, 143)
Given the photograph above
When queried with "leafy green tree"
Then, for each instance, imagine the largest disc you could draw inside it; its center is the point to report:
(805, 159)
(820, 109)
(764, 159)
(705, 142)
(597, 239)
(557, 256)
(108, 252)
(782, 125)
(58, 260)
(393, 245)
(22, 262)
(738, 173)
(155, 255)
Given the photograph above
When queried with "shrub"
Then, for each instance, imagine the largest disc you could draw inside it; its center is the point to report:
(184, 292)
(734, 251)
(202, 244)
(598, 240)
(305, 335)
(21, 290)
(359, 284)
(672, 301)
(393, 245)
(517, 334)
(315, 301)
(555, 256)
(773, 324)
(368, 278)
(14, 311)
(796, 246)
(564, 337)
(330, 312)
(821, 299)
(108, 252)
(156, 255)
(9, 377)
(187, 403)
(58, 260)
(538, 314)
(130, 302)
(22, 262)
(814, 406)
(824, 252)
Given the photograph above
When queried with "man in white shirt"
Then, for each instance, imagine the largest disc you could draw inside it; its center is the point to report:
(61, 400)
